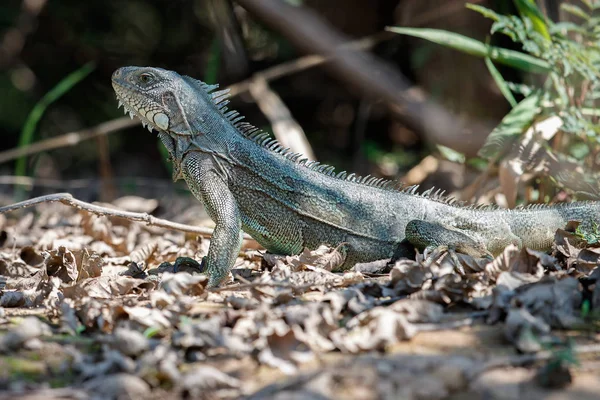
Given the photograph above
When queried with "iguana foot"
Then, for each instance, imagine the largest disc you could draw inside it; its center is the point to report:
(434, 238)
(188, 264)
(432, 254)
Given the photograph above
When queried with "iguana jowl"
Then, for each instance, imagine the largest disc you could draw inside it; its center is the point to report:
(248, 182)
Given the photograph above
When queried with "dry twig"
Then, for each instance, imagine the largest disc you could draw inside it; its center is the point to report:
(68, 139)
(69, 200)
(285, 128)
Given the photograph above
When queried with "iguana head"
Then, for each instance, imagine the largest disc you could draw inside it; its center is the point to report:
(163, 100)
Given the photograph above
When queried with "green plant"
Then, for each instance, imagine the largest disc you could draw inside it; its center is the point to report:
(34, 117)
(565, 58)
(591, 236)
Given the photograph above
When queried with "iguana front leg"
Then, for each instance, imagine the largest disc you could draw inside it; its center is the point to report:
(207, 183)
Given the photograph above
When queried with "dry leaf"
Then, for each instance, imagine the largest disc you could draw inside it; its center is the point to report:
(204, 381)
(107, 287)
(30, 328)
(184, 284)
(118, 386)
(61, 262)
(284, 347)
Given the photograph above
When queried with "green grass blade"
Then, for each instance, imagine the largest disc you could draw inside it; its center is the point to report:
(476, 48)
(38, 110)
(500, 82)
(514, 124)
(213, 63)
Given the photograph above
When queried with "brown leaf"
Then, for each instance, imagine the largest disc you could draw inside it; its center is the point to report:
(17, 269)
(27, 281)
(61, 262)
(102, 229)
(472, 264)
(524, 330)
(409, 276)
(144, 252)
(204, 381)
(107, 287)
(418, 311)
(11, 299)
(31, 256)
(284, 348)
(145, 317)
(90, 265)
(568, 245)
(373, 267)
(375, 329)
(327, 258)
(513, 280)
(521, 261)
(129, 341)
(587, 261)
(184, 284)
(118, 386)
(555, 302)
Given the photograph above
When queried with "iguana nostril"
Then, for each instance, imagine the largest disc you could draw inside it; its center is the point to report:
(117, 74)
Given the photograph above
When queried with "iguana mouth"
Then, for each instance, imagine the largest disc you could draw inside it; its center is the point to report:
(149, 113)
(127, 109)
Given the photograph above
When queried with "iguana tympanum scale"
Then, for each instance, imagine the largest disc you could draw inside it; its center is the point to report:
(247, 182)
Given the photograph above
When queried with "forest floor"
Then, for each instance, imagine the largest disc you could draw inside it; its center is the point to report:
(93, 307)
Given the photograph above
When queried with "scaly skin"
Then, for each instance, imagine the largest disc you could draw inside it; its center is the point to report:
(247, 182)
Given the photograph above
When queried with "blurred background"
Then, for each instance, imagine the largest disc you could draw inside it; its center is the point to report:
(386, 104)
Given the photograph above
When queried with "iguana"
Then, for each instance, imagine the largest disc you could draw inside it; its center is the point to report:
(248, 182)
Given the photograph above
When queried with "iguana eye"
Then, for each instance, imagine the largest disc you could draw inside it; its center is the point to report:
(146, 77)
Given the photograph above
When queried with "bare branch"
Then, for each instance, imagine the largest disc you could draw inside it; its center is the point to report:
(68, 139)
(69, 200)
(269, 74)
(304, 63)
(371, 75)
(285, 128)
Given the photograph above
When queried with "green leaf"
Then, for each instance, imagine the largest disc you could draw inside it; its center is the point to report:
(566, 27)
(38, 110)
(574, 10)
(589, 4)
(451, 155)
(151, 331)
(514, 124)
(486, 12)
(474, 47)
(500, 82)
(528, 8)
